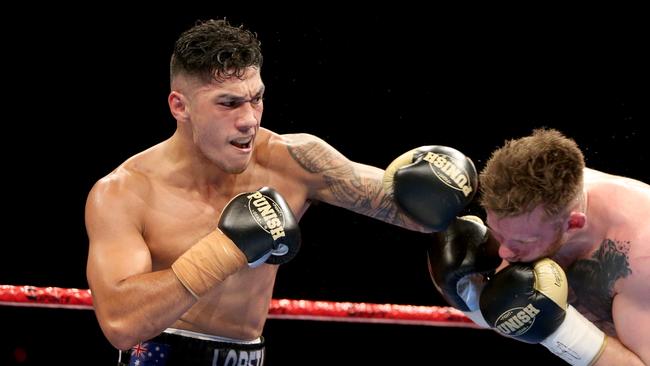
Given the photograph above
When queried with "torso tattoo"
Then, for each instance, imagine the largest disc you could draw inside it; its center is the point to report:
(592, 281)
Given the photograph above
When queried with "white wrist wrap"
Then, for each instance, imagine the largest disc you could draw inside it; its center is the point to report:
(469, 289)
(577, 341)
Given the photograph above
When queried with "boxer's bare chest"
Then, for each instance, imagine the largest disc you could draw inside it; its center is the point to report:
(176, 219)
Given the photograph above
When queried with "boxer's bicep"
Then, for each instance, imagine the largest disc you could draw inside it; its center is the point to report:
(117, 249)
(630, 310)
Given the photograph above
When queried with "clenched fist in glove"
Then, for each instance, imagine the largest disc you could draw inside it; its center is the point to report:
(528, 302)
(254, 228)
(460, 259)
(432, 184)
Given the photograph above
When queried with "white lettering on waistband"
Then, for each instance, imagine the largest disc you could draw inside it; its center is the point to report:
(238, 358)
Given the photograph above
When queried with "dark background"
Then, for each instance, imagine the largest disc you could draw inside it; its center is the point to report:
(84, 92)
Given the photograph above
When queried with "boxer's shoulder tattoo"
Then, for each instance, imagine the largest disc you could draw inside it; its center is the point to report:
(312, 154)
(343, 181)
(592, 279)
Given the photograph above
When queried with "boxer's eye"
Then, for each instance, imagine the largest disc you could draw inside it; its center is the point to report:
(257, 100)
(231, 103)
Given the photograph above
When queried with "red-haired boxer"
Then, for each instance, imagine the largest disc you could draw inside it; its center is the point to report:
(542, 202)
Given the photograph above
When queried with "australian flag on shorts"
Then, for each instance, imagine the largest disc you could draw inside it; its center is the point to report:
(149, 354)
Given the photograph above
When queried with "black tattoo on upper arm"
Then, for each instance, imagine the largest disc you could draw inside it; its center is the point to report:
(348, 188)
(313, 156)
(592, 279)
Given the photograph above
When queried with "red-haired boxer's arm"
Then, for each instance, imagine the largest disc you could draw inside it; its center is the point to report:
(631, 315)
(528, 302)
(460, 260)
(127, 296)
(560, 327)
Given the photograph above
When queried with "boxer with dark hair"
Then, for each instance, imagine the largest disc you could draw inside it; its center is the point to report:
(186, 236)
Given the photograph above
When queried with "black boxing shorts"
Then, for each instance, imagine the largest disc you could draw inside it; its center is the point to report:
(176, 347)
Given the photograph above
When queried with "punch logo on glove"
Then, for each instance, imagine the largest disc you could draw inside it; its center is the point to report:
(516, 321)
(526, 301)
(450, 171)
(432, 184)
(267, 213)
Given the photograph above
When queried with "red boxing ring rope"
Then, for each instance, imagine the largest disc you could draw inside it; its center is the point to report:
(72, 298)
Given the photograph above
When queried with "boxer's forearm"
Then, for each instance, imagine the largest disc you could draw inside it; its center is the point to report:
(140, 307)
(615, 353)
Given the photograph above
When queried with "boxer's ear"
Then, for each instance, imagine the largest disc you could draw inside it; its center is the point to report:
(177, 105)
(576, 221)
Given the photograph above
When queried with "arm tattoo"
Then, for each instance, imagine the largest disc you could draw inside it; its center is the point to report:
(313, 157)
(348, 188)
(366, 197)
(388, 211)
(592, 280)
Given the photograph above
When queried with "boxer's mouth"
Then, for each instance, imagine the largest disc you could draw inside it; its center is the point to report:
(242, 143)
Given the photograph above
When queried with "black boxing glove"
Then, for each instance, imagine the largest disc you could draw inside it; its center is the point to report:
(432, 184)
(460, 259)
(255, 227)
(262, 225)
(528, 302)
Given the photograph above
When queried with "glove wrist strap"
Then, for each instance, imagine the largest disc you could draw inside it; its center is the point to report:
(577, 341)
